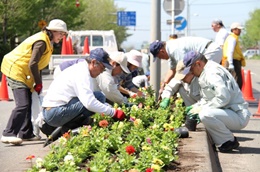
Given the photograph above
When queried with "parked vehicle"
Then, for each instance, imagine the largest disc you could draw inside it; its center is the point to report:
(96, 39)
(251, 52)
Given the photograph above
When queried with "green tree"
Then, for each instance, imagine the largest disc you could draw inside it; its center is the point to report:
(251, 38)
(20, 17)
(102, 15)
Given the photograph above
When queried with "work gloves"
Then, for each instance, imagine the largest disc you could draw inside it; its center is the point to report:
(193, 112)
(38, 88)
(165, 103)
(119, 114)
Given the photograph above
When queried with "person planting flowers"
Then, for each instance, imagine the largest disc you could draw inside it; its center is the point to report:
(222, 107)
(71, 95)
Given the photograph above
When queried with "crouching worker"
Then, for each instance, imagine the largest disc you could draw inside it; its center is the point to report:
(70, 99)
(222, 107)
(184, 83)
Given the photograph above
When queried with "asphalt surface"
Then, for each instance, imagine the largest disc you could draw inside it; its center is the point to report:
(197, 153)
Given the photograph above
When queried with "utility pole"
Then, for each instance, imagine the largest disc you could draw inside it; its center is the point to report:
(155, 67)
(173, 15)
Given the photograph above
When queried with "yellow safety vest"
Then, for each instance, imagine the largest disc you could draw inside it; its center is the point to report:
(237, 54)
(15, 64)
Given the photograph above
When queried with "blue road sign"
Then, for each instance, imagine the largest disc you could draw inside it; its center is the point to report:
(181, 23)
(126, 18)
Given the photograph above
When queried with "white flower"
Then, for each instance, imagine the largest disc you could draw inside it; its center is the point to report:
(120, 125)
(39, 162)
(134, 108)
(68, 159)
(62, 140)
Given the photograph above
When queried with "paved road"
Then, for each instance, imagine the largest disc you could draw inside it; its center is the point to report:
(246, 159)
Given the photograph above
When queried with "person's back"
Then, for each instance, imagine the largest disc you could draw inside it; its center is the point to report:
(176, 49)
(218, 26)
(141, 81)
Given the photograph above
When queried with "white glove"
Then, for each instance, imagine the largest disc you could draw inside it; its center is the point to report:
(195, 110)
(231, 66)
(131, 94)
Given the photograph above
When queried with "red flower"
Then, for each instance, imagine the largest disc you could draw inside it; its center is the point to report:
(30, 157)
(130, 149)
(66, 135)
(134, 96)
(102, 114)
(149, 170)
(103, 123)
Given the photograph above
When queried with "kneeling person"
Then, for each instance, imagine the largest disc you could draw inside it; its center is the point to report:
(71, 94)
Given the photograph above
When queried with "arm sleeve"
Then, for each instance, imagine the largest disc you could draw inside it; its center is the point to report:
(86, 96)
(171, 88)
(110, 89)
(230, 51)
(38, 49)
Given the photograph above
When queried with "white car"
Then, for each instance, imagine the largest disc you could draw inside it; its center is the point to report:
(251, 52)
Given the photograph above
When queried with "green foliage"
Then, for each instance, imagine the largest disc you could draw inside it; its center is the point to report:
(4, 49)
(147, 130)
(22, 16)
(251, 37)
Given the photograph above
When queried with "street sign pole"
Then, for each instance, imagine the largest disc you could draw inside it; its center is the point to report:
(155, 67)
(173, 15)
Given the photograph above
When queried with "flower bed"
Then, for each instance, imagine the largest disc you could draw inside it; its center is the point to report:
(145, 141)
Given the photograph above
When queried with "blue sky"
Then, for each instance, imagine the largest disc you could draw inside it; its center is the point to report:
(202, 12)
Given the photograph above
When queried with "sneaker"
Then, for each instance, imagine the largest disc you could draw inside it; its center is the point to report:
(35, 138)
(11, 139)
(228, 146)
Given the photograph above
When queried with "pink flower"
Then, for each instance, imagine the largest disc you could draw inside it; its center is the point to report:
(148, 140)
(132, 119)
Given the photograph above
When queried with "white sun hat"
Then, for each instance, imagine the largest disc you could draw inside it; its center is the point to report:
(134, 57)
(236, 25)
(57, 25)
(121, 59)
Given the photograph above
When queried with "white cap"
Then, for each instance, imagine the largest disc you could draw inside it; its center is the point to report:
(181, 71)
(121, 59)
(134, 57)
(236, 25)
(57, 25)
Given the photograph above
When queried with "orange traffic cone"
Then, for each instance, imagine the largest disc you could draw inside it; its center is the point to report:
(247, 92)
(3, 90)
(69, 46)
(257, 114)
(64, 47)
(86, 46)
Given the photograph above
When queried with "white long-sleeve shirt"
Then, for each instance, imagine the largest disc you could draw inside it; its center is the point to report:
(221, 36)
(75, 81)
(108, 84)
(230, 51)
(141, 80)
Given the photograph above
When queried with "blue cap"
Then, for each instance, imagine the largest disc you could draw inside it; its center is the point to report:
(189, 58)
(147, 73)
(101, 56)
(155, 48)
